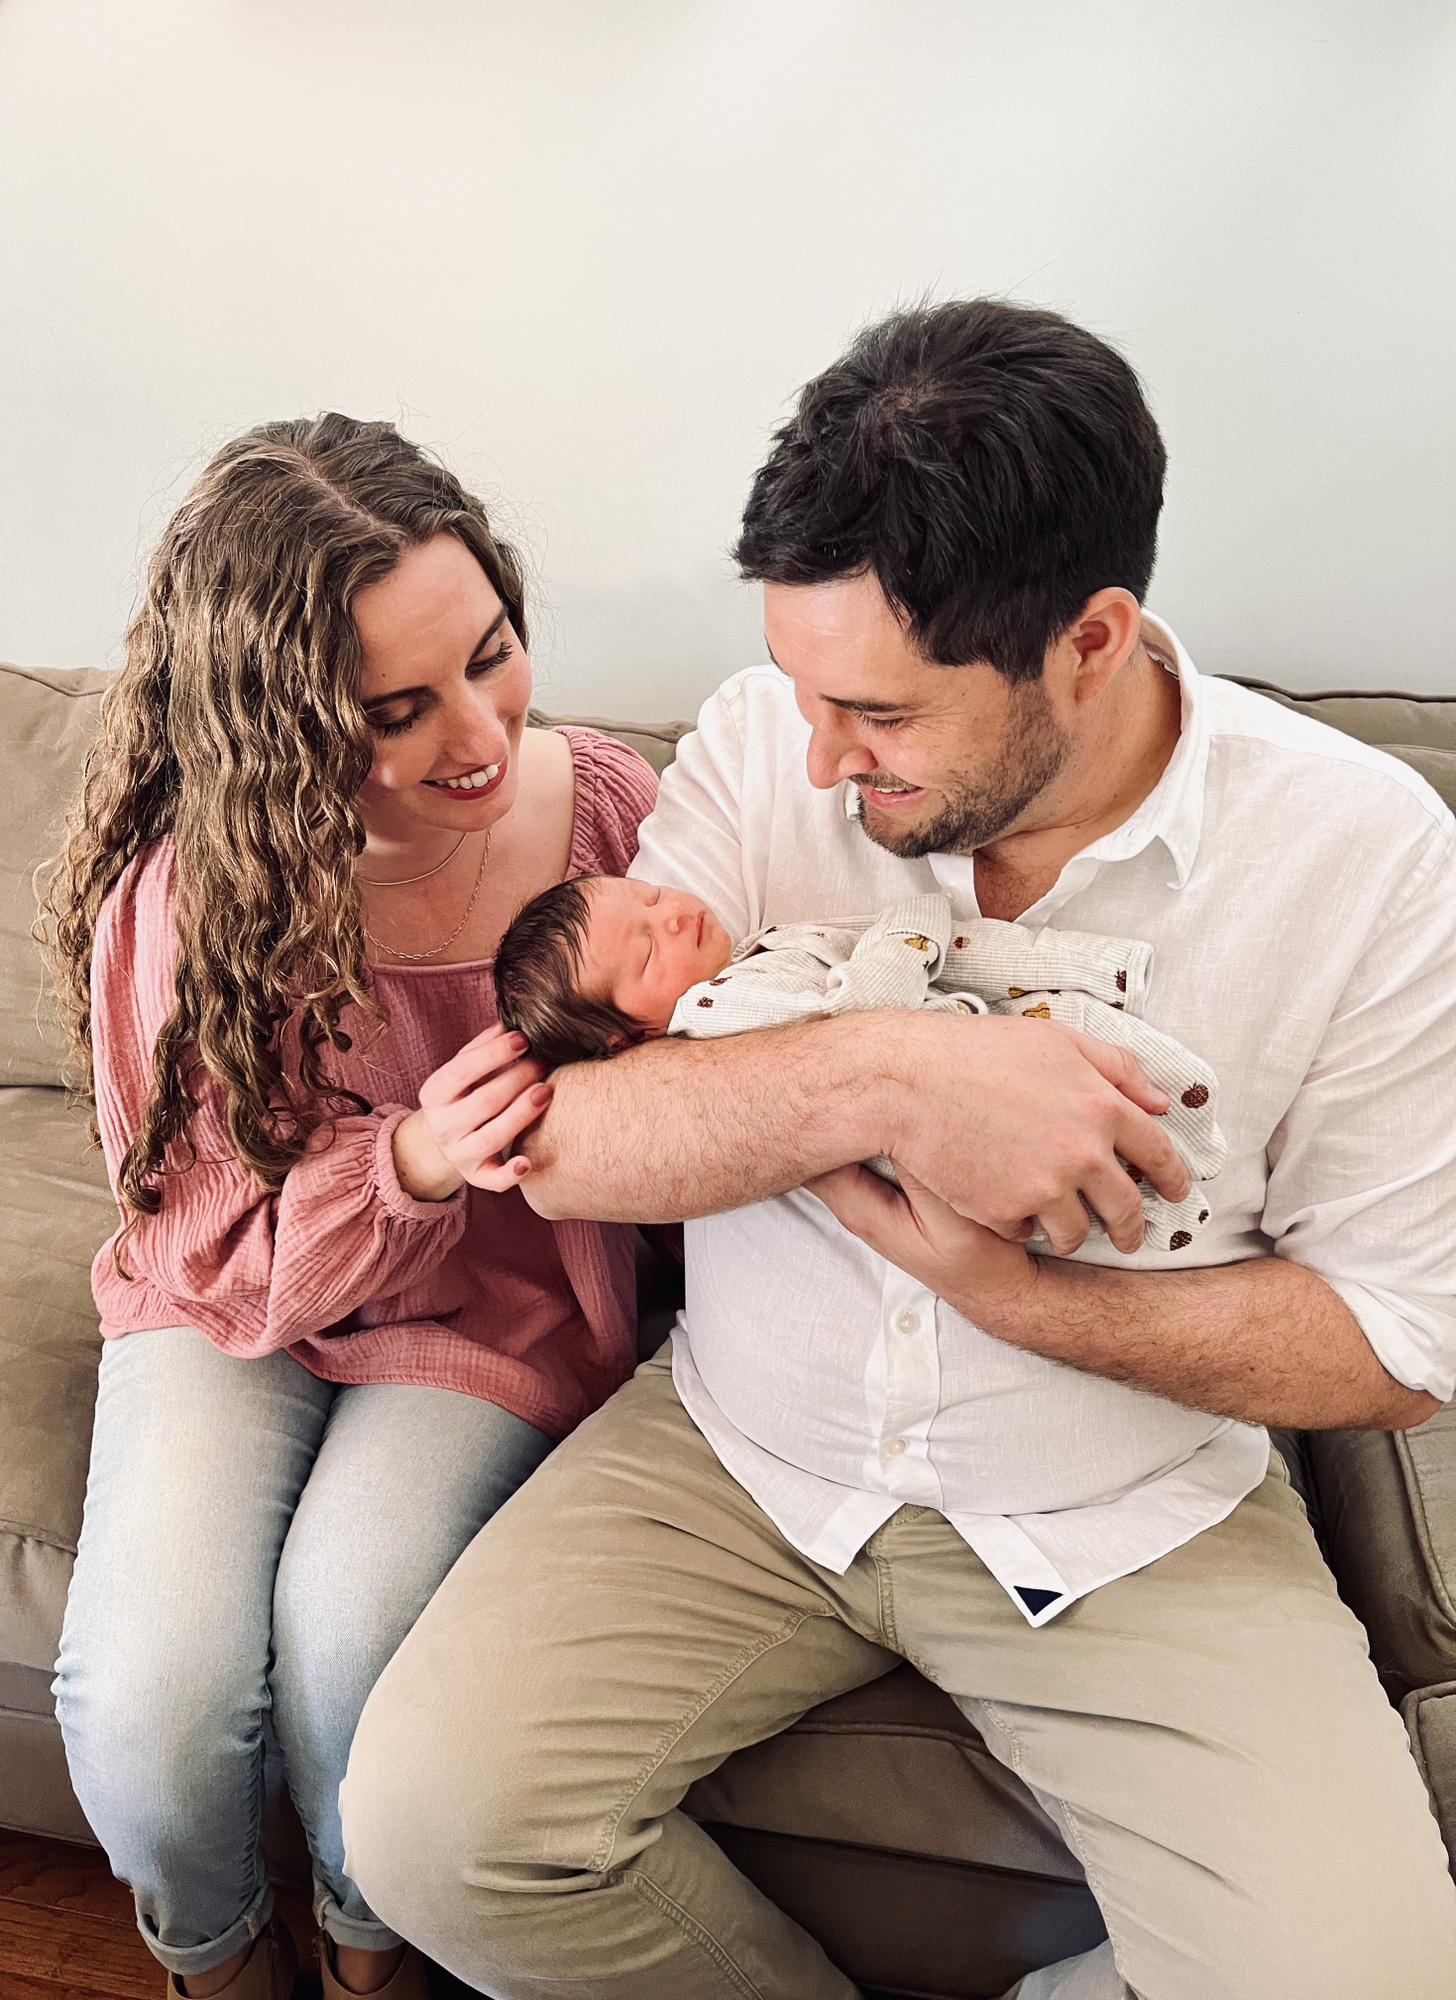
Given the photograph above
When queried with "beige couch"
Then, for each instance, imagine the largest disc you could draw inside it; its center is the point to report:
(880, 1820)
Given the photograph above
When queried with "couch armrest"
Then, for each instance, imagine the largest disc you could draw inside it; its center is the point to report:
(1387, 1502)
(1430, 1717)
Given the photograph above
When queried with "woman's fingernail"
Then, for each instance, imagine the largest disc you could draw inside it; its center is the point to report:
(518, 1043)
(541, 1094)
(520, 1167)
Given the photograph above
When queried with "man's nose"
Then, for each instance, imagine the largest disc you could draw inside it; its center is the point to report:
(834, 756)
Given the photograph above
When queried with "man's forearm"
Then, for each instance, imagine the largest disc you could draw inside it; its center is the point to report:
(676, 1129)
(1265, 1341)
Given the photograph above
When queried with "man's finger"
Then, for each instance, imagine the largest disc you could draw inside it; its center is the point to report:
(855, 1197)
(1120, 1068)
(1066, 1224)
(1149, 1151)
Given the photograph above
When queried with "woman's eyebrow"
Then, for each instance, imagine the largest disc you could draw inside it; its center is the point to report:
(403, 694)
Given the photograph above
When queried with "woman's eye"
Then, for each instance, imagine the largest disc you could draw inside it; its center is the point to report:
(476, 668)
(405, 722)
(497, 659)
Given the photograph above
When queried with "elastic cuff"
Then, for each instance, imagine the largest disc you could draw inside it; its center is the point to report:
(397, 1199)
(203, 1957)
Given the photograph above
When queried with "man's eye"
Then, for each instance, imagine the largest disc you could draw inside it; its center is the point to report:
(884, 721)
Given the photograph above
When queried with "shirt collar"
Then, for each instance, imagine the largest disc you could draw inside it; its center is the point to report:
(1173, 810)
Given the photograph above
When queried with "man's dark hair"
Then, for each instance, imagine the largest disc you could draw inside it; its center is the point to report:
(537, 967)
(991, 465)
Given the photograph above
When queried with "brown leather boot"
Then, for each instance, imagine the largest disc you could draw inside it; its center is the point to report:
(267, 1973)
(408, 1982)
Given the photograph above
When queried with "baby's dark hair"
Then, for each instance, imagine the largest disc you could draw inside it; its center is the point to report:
(537, 966)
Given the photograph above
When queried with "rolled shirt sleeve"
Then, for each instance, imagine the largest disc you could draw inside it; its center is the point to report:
(1362, 1168)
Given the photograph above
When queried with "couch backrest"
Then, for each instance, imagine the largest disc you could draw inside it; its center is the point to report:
(47, 724)
(48, 719)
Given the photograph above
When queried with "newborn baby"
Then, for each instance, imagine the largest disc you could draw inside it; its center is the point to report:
(596, 964)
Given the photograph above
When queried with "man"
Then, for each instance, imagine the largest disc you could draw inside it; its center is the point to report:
(885, 1429)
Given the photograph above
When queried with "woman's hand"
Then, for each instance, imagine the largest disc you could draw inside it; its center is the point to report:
(472, 1111)
(959, 1260)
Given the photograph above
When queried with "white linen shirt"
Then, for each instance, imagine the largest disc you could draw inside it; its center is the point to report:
(1298, 889)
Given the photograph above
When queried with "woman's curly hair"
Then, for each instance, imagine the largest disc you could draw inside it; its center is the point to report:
(235, 727)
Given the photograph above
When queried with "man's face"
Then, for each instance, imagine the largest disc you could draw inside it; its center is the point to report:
(947, 759)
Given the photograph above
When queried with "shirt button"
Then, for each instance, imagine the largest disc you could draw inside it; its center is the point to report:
(908, 1322)
(895, 1448)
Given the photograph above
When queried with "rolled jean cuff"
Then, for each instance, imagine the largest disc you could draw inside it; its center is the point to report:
(195, 1958)
(358, 1933)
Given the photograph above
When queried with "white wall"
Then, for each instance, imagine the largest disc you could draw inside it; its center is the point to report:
(588, 251)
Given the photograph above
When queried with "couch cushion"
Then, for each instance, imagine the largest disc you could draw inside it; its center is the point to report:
(1388, 1507)
(47, 721)
(55, 1209)
(859, 1769)
(656, 741)
(1418, 728)
(1430, 1716)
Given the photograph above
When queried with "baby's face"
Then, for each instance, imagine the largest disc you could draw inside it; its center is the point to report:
(645, 947)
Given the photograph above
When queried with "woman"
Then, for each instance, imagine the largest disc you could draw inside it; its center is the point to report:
(337, 1335)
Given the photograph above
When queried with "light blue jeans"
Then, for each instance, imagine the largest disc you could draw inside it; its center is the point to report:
(256, 1542)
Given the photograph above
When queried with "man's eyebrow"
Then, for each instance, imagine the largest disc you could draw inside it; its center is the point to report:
(403, 694)
(847, 702)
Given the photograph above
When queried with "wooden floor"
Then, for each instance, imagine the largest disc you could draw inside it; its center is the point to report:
(67, 1931)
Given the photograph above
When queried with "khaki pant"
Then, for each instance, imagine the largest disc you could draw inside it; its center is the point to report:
(1209, 1734)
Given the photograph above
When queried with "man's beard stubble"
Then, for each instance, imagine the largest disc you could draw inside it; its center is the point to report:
(974, 814)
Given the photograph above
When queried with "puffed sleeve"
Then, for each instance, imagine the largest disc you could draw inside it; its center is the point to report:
(623, 792)
(253, 1271)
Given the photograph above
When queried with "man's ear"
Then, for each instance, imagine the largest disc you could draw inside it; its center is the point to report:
(1101, 639)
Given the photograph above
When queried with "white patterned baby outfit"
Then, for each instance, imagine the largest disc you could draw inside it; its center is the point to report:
(916, 954)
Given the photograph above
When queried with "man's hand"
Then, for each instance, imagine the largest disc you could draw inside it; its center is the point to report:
(1018, 1119)
(960, 1261)
(1264, 1341)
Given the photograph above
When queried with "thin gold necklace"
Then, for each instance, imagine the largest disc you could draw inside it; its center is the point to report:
(416, 957)
(404, 881)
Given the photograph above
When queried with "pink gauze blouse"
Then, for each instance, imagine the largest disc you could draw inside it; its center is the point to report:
(342, 1268)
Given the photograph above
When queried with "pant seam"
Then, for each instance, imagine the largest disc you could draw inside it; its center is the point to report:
(885, 1594)
(666, 1906)
(1071, 1828)
(601, 1856)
